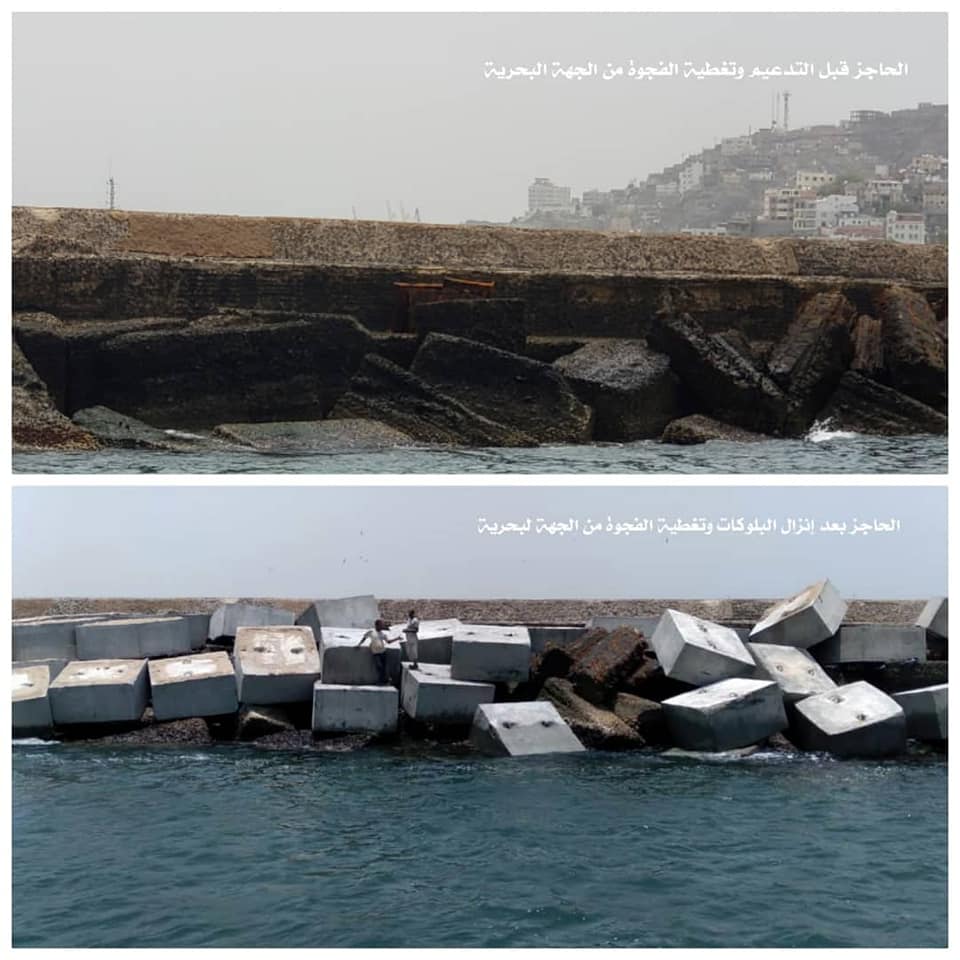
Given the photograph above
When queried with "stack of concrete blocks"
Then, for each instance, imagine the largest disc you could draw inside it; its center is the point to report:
(855, 720)
(356, 613)
(796, 672)
(275, 664)
(726, 715)
(133, 639)
(431, 695)
(345, 660)
(487, 654)
(231, 615)
(699, 652)
(48, 640)
(203, 685)
(809, 618)
(874, 643)
(522, 729)
(100, 691)
(926, 712)
(434, 641)
(31, 701)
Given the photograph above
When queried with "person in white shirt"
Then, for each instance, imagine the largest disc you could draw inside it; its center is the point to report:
(412, 636)
(378, 647)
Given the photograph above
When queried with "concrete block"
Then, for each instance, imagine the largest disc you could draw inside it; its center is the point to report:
(810, 617)
(198, 624)
(646, 625)
(796, 673)
(873, 643)
(486, 654)
(522, 729)
(855, 720)
(726, 715)
(275, 664)
(202, 685)
(54, 666)
(435, 640)
(926, 712)
(133, 639)
(342, 661)
(100, 691)
(699, 652)
(31, 701)
(42, 638)
(354, 612)
(231, 615)
(342, 708)
(933, 617)
(541, 637)
(432, 695)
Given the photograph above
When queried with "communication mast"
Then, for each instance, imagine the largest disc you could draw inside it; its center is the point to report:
(112, 193)
(786, 110)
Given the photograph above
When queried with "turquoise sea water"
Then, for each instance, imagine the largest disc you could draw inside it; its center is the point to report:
(232, 846)
(829, 453)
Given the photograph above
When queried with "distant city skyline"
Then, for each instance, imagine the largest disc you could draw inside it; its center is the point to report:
(330, 114)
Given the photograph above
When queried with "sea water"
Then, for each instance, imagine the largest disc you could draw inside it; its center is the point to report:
(822, 451)
(235, 846)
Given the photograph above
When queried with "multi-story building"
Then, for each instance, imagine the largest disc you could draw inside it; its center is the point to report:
(805, 215)
(691, 176)
(906, 227)
(812, 179)
(830, 207)
(779, 202)
(544, 195)
(876, 190)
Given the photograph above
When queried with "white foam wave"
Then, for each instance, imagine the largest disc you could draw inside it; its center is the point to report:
(34, 742)
(823, 430)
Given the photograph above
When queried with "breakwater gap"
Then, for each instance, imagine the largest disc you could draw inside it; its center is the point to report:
(500, 337)
(800, 676)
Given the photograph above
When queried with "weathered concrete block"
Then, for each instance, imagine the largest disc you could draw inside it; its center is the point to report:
(198, 625)
(522, 729)
(100, 691)
(542, 637)
(491, 654)
(432, 695)
(933, 617)
(810, 617)
(342, 661)
(31, 701)
(355, 612)
(873, 642)
(646, 625)
(855, 720)
(133, 639)
(699, 652)
(194, 686)
(926, 712)
(42, 638)
(726, 715)
(796, 673)
(54, 666)
(343, 708)
(435, 640)
(275, 664)
(231, 615)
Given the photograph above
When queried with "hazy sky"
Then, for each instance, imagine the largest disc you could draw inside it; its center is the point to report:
(400, 542)
(315, 114)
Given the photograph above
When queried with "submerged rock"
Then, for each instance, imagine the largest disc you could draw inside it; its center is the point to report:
(528, 396)
(699, 429)
(114, 429)
(631, 388)
(314, 436)
(256, 722)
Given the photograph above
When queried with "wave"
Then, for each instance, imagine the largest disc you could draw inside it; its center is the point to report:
(823, 430)
(34, 742)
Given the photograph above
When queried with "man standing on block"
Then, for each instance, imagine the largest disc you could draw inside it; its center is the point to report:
(412, 631)
(378, 647)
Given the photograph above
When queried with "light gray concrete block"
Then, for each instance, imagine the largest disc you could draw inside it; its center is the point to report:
(43, 638)
(487, 654)
(699, 652)
(855, 720)
(54, 666)
(31, 701)
(933, 617)
(231, 615)
(926, 712)
(522, 729)
(199, 685)
(343, 708)
(342, 661)
(198, 624)
(133, 639)
(796, 672)
(435, 640)
(100, 691)
(808, 618)
(275, 664)
(352, 612)
(431, 695)
(726, 715)
(873, 643)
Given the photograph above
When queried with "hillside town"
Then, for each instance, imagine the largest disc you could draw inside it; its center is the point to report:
(873, 176)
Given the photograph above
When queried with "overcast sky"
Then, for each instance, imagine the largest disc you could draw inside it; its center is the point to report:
(399, 542)
(318, 114)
